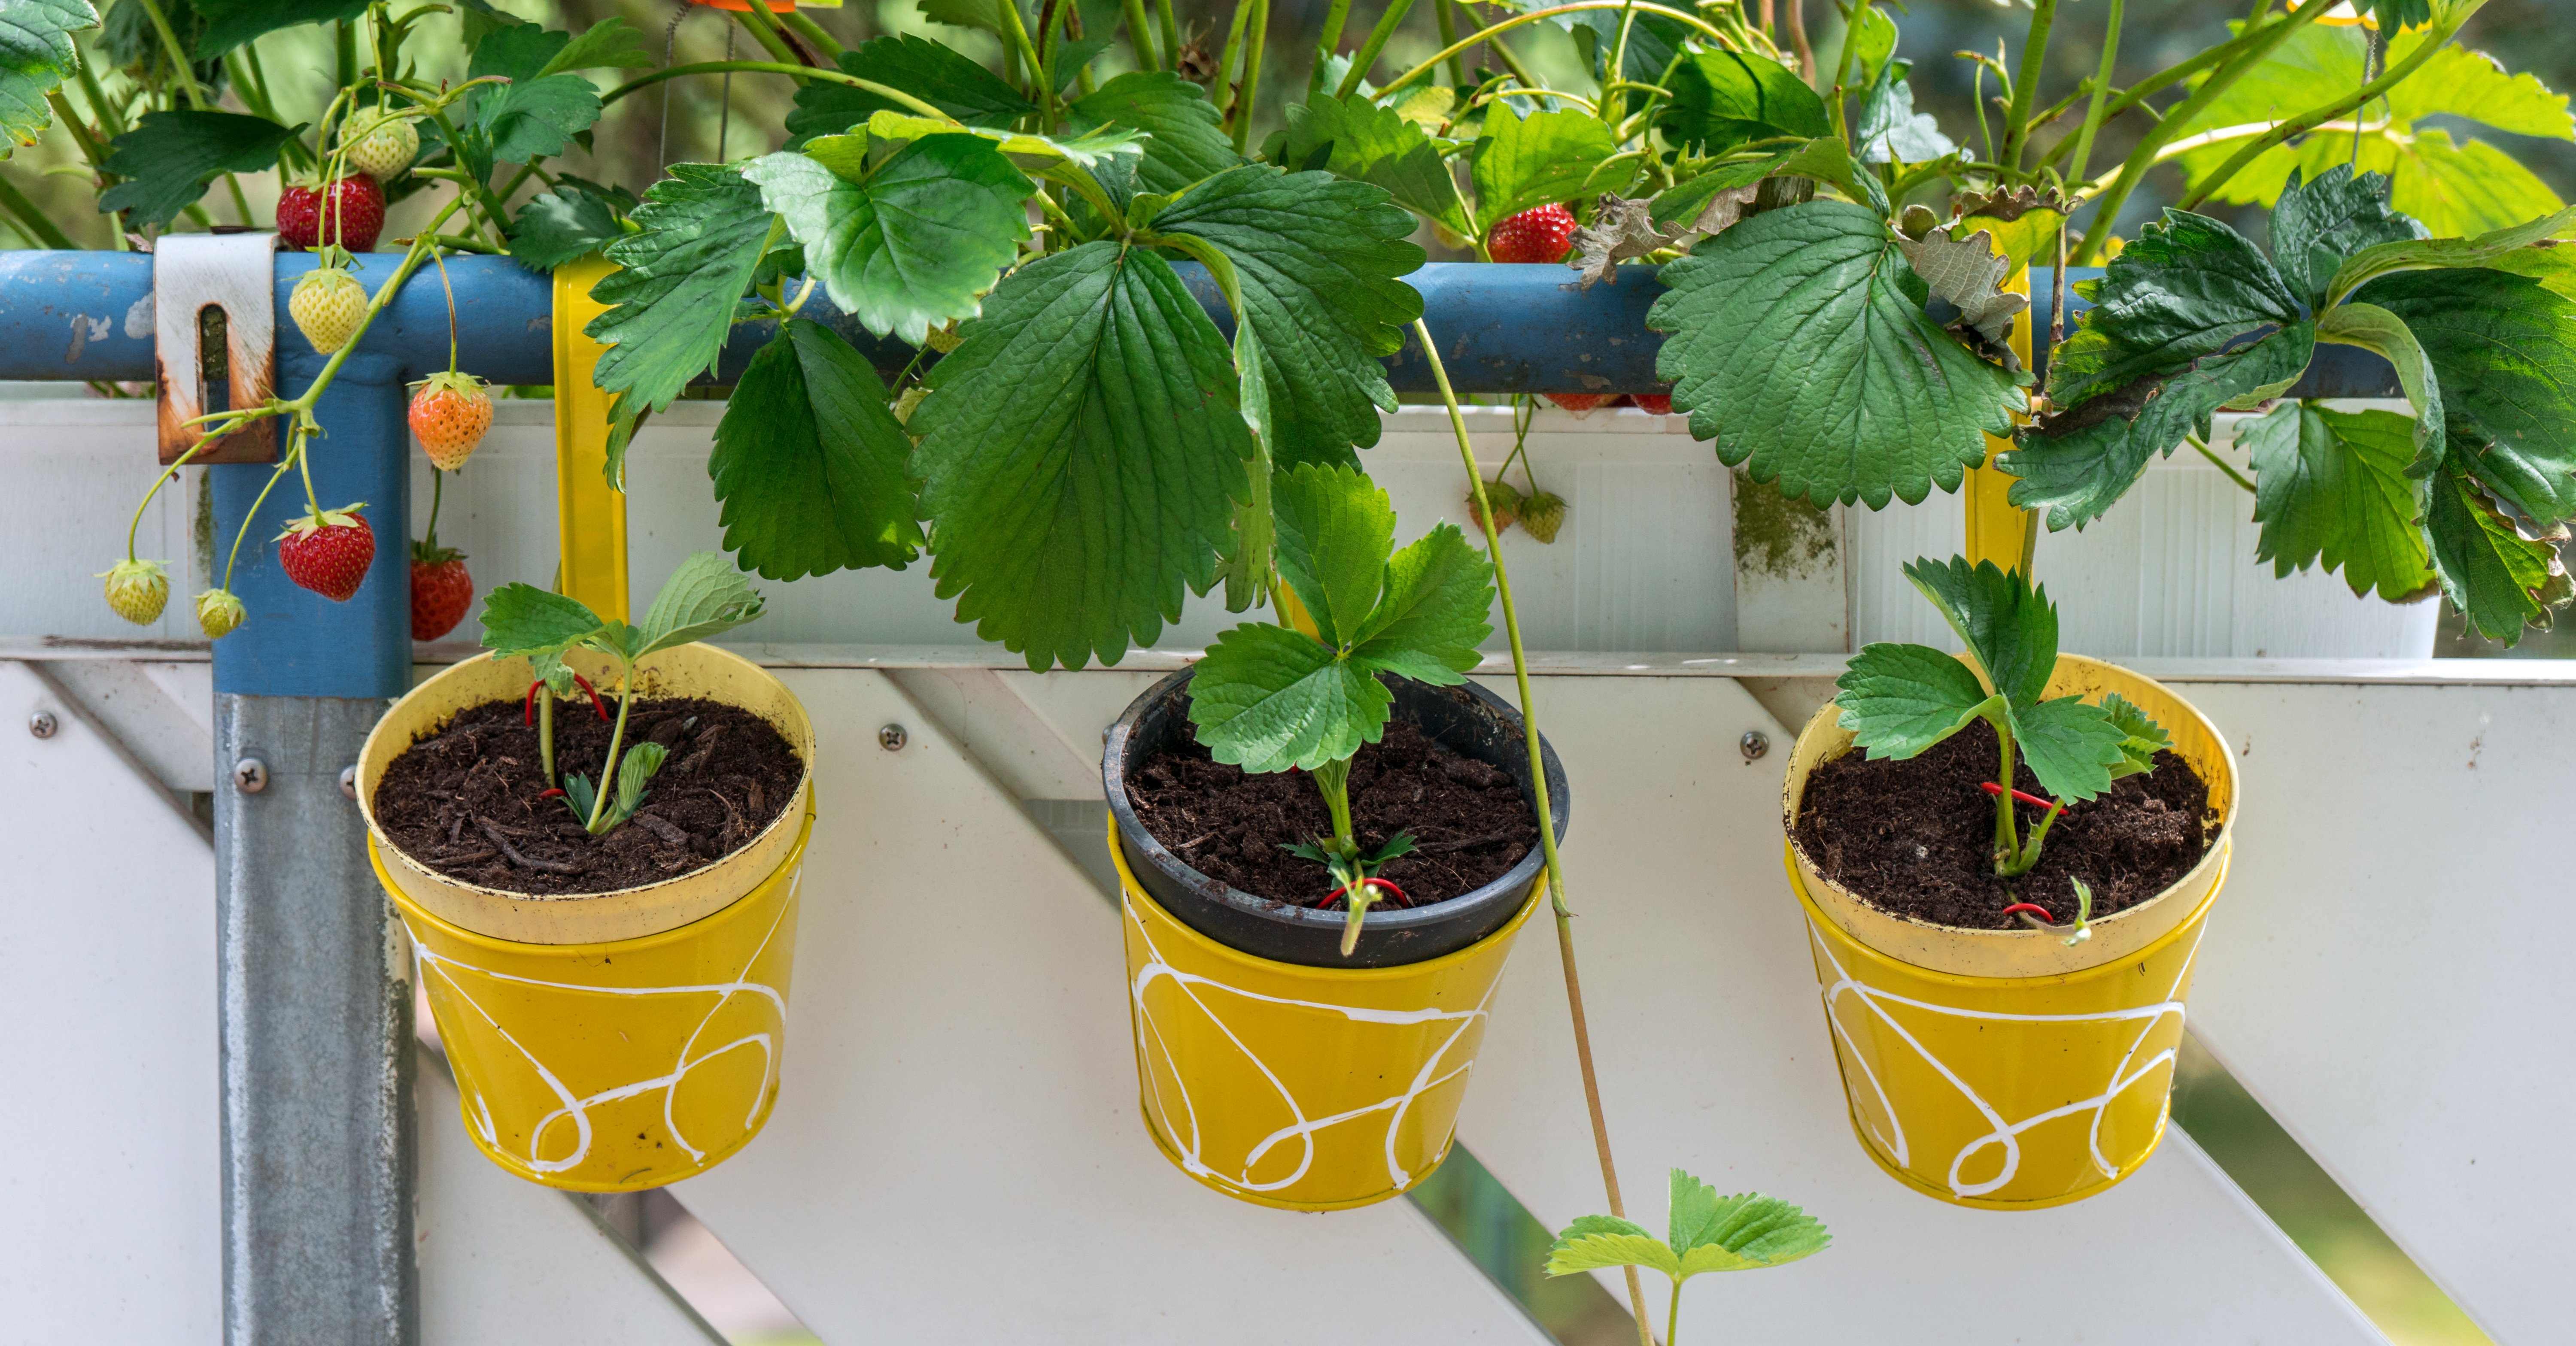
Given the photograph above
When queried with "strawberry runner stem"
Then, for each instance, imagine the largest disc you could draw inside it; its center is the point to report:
(1546, 819)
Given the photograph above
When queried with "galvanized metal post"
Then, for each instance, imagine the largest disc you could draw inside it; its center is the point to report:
(315, 973)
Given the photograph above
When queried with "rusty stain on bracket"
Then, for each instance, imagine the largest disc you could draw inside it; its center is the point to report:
(214, 339)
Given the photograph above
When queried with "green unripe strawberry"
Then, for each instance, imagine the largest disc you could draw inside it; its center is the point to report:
(382, 146)
(327, 306)
(137, 590)
(218, 612)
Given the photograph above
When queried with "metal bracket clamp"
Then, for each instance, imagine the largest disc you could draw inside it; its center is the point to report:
(209, 289)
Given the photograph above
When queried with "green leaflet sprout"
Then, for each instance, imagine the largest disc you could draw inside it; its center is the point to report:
(1900, 700)
(706, 597)
(1268, 698)
(1704, 1232)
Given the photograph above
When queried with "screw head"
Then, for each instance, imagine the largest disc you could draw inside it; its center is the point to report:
(1753, 744)
(250, 775)
(891, 738)
(42, 724)
(349, 781)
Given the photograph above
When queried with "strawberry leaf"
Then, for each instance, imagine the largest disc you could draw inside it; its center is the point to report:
(2186, 289)
(1434, 612)
(2499, 579)
(1599, 1242)
(168, 159)
(1267, 698)
(925, 69)
(562, 225)
(2331, 489)
(1546, 157)
(1722, 99)
(535, 119)
(703, 231)
(2142, 738)
(230, 23)
(36, 56)
(1188, 144)
(2324, 221)
(1796, 345)
(610, 44)
(1335, 532)
(706, 597)
(2502, 350)
(2077, 463)
(1081, 453)
(2386, 335)
(1314, 265)
(1377, 145)
(2010, 628)
(908, 244)
(2070, 746)
(1890, 130)
(522, 619)
(1705, 1232)
(1901, 700)
(809, 463)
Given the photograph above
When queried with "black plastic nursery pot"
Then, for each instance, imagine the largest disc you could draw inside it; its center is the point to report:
(1272, 1069)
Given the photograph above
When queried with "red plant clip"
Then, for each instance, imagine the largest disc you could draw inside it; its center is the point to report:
(2023, 795)
(550, 794)
(530, 719)
(2031, 907)
(595, 703)
(1400, 899)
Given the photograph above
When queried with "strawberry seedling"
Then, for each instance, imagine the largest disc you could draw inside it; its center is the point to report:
(1268, 698)
(1900, 700)
(706, 597)
(1703, 1232)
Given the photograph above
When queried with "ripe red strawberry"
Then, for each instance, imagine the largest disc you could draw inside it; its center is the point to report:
(1539, 234)
(441, 590)
(449, 414)
(355, 205)
(1660, 404)
(328, 552)
(1578, 403)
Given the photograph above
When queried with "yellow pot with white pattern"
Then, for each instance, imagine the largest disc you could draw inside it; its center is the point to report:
(608, 1042)
(2006, 1069)
(1269, 1067)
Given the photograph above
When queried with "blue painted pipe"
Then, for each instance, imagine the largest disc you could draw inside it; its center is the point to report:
(1502, 328)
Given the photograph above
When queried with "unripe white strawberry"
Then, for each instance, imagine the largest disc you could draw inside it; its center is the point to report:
(218, 612)
(137, 590)
(327, 306)
(382, 146)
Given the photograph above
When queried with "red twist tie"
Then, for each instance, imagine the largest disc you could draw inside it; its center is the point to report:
(2023, 795)
(550, 794)
(2033, 907)
(595, 703)
(1400, 899)
(530, 719)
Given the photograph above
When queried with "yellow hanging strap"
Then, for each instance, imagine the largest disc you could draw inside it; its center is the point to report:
(590, 516)
(1996, 531)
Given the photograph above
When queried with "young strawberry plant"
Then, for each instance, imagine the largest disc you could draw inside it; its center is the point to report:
(1273, 698)
(1900, 700)
(705, 597)
(1704, 1232)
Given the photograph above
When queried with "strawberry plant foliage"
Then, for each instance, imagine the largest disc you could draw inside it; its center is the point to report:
(1900, 700)
(814, 481)
(1186, 143)
(1703, 1232)
(939, 76)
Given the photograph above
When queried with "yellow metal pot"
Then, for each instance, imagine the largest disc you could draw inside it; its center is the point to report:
(607, 1042)
(1305, 1088)
(2002, 1068)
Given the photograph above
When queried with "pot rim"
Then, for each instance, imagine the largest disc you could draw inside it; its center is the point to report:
(800, 802)
(2212, 862)
(1125, 824)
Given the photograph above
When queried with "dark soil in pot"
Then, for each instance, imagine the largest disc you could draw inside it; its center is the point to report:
(464, 801)
(1468, 820)
(1916, 838)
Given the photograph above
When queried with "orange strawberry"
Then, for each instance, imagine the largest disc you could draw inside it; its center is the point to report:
(449, 414)
(1655, 404)
(441, 590)
(328, 552)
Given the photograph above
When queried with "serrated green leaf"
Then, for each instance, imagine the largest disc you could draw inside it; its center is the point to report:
(984, 14)
(535, 119)
(915, 242)
(927, 70)
(1722, 99)
(636, 766)
(1372, 144)
(2070, 746)
(703, 231)
(1316, 264)
(231, 23)
(1794, 345)
(2420, 254)
(1335, 530)
(706, 597)
(1890, 130)
(2328, 218)
(1599, 1242)
(2079, 462)
(1684, 202)
(516, 52)
(1434, 611)
(1081, 454)
(168, 159)
(1653, 40)
(2503, 350)
(2490, 572)
(1189, 143)
(610, 44)
(36, 56)
(560, 226)
(1267, 698)
(809, 463)
(2009, 627)
(2381, 332)
(522, 619)
(1737, 1233)
(1825, 160)
(2330, 488)
(2188, 287)
(1900, 700)
(2141, 738)
(1534, 161)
